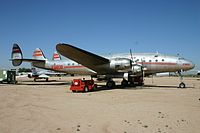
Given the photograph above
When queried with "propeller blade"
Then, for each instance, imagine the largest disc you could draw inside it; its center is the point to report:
(131, 54)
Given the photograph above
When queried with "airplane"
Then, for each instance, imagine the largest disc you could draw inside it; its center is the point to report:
(42, 74)
(198, 73)
(131, 67)
(128, 66)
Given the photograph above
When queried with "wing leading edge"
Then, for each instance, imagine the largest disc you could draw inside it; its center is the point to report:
(83, 57)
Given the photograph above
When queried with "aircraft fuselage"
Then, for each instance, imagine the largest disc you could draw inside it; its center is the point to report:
(153, 63)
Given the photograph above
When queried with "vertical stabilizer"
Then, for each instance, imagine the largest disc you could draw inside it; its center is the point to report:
(16, 55)
(38, 54)
(56, 56)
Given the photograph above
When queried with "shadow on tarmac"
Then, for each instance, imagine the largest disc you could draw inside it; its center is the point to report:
(43, 82)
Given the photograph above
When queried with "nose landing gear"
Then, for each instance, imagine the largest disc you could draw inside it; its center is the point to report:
(182, 84)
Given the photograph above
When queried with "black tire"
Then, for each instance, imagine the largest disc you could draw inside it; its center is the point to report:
(124, 83)
(86, 89)
(182, 85)
(110, 84)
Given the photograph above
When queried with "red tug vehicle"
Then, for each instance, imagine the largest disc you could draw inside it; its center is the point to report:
(79, 85)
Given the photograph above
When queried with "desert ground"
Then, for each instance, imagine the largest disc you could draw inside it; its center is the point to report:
(157, 107)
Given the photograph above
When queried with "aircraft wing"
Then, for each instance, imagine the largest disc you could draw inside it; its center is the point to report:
(83, 57)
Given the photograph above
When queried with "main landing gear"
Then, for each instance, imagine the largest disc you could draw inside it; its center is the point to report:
(132, 81)
(110, 84)
(182, 84)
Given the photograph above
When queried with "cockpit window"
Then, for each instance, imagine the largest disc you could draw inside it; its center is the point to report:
(181, 58)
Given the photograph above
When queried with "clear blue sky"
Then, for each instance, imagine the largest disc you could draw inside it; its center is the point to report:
(103, 26)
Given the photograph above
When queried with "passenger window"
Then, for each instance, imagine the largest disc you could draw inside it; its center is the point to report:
(149, 60)
(156, 60)
(163, 60)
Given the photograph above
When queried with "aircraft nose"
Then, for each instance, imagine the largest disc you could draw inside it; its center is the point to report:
(192, 65)
(188, 65)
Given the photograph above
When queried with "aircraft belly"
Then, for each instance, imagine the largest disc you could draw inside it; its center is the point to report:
(39, 64)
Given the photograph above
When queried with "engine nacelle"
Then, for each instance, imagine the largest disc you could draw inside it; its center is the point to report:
(121, 64)
(137, 70)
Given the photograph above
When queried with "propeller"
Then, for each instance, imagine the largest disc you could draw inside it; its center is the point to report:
(131, 54)
(134, 63)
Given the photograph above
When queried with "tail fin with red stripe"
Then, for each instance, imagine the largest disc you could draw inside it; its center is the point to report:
(56, 56)
(16, 55)
(38, 54)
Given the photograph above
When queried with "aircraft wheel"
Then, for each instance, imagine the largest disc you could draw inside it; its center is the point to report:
(110, 84)
(86, 89)
(124, 83)
(182, 85)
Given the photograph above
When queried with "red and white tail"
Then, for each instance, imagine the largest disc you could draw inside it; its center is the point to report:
(38, 54)
(56, 56)
(16, 55)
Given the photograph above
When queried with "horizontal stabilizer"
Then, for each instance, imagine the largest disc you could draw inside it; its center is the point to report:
(17, 56)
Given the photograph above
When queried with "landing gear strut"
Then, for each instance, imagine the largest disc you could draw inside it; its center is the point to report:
(182, 84)
(133, 81)
(124, 83)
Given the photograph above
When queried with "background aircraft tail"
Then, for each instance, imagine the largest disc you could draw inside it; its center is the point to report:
(16, 55)
(56, 56)
(38, 54)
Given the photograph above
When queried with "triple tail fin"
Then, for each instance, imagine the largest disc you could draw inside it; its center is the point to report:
(38, 54)
(16, 55)
(56, 56)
